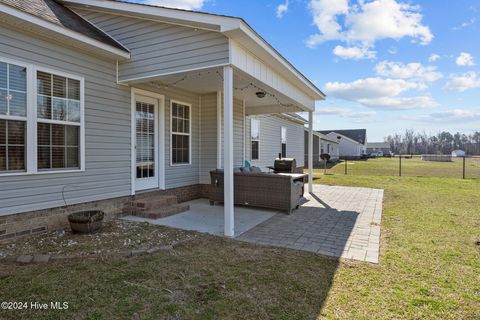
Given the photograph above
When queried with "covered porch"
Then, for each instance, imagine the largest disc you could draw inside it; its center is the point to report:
(227, 96)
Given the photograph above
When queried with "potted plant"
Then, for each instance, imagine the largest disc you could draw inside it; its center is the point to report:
(86, 221)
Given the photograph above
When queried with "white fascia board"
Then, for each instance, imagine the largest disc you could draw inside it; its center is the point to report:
(18, 14)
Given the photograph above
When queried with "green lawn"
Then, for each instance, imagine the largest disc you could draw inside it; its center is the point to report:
(429, 265)
(429, 269)
(414, 167)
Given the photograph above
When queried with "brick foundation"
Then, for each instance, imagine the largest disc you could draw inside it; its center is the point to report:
(33, 222)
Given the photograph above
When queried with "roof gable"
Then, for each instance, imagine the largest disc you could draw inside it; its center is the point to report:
(358, 135)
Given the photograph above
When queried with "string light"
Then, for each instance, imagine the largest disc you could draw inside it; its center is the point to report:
(241, 89)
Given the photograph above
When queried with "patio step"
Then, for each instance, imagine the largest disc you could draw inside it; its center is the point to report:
(154, 202)
(155, 206)
(162, 212)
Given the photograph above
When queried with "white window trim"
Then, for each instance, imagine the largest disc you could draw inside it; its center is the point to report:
(31, 119)
(189, 134)
(251, 139)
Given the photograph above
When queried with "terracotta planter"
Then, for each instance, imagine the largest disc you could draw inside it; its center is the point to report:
(86, 221)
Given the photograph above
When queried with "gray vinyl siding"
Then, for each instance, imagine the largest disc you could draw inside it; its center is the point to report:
(208, 135)
(107, 130)
(237, 132)
(159, 48)
(270, 140)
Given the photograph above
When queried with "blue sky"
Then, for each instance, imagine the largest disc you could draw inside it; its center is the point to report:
(385, 65)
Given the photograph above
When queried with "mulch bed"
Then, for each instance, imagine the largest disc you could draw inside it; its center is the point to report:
(117, 238)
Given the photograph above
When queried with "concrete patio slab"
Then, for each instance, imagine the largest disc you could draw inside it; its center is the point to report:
(335, 221)
(205, 218)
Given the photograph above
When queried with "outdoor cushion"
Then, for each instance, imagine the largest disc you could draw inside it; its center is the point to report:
(255, 170)
(246, 169)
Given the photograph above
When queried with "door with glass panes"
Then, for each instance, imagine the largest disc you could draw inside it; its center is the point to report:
(146, 142)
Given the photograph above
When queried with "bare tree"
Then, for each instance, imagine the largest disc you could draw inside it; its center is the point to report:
(444, 142)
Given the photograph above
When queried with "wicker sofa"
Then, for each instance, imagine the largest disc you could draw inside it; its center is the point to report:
(267, 190)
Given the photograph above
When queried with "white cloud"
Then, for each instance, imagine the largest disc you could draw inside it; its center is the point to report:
(447, 116)
(465, 24)
(393, 50)
(433, 57)
(463, 82)
(366, 22)
(380, 93)
(354, 53)
(178, 4)
(465, 59)
(325, 18)
(345, 112)
(369, 88)
(397, 103)
(282, 9)
(412, 71)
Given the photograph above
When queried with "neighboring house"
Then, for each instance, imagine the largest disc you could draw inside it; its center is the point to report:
(330, 146)
(458, 153)
(375, 147)
(352, 143)
(101, 100)
(321, 144)
(268, 136)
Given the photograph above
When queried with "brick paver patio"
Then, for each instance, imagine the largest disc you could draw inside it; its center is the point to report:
(335, 221)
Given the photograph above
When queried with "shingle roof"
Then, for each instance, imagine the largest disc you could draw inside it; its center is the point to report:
(54, 12)
(359, 135)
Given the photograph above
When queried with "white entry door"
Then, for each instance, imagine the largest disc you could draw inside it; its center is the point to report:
(146, 142)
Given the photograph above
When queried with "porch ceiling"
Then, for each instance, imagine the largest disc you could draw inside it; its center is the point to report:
(245, 88)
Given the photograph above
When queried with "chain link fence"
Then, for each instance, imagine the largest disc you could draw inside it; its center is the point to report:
(411, 165)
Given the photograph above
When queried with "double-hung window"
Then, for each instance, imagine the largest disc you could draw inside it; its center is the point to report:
(180, 133)
(41, 119)
(284, 141)
(255, 138)
(13, 117)
(58, 117)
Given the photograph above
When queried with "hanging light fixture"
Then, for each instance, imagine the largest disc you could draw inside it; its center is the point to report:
(260, 94)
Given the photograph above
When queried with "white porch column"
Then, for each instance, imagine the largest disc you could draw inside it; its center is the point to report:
(310, 152)
(228, 150)
(219, 129)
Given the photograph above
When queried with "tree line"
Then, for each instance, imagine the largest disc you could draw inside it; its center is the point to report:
(411, 142)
